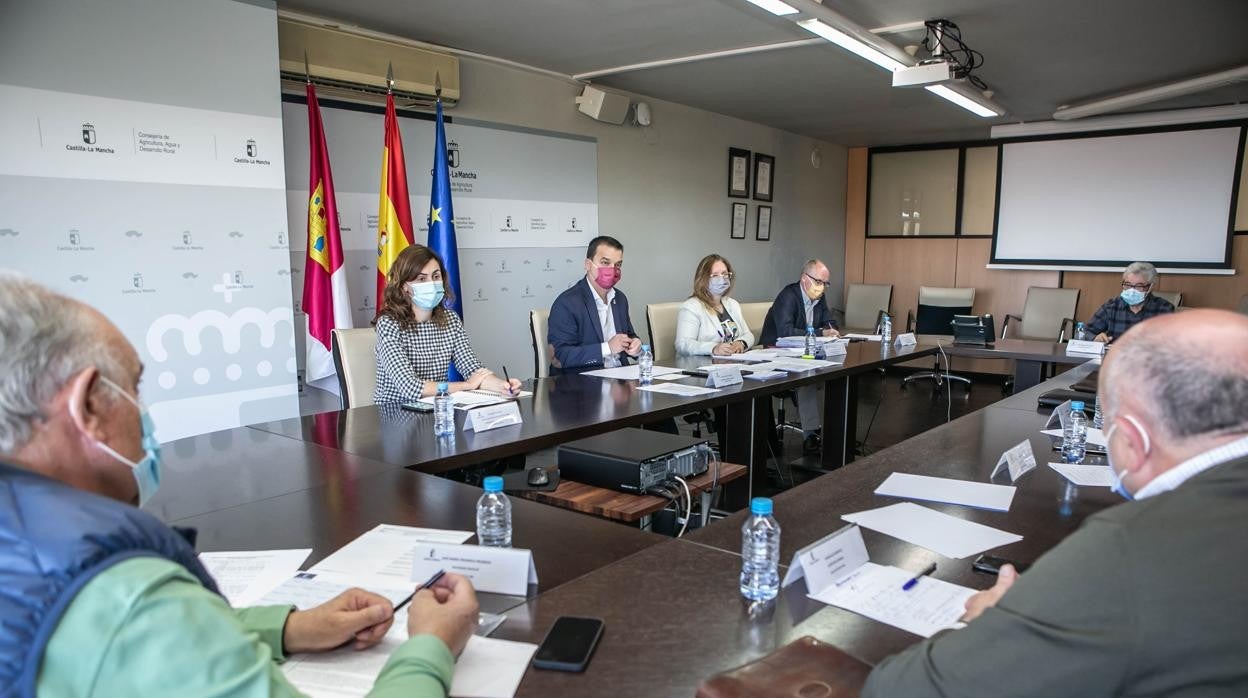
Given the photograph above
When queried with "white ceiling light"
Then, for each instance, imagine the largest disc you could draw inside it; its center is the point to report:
(849, 43)
(1149, 95)
(1107, 123)
(775, 7)
(963, 101)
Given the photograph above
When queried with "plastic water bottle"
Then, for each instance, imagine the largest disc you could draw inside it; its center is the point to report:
(443, 411)
(810, 342)
(1098, 417)
(1075, 434)
(760, 552)
(645, 365)
(886, 329)
(494, 515)
(1081, 332)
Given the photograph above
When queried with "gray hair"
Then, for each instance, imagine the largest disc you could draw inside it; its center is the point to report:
(45, 338)
(810, 265)
(1189, 392)
(1145, 269)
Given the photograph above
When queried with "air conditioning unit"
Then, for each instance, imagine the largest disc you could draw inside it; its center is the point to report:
(351, 67)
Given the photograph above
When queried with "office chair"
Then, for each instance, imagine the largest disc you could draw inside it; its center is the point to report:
(541, 349)
(355, 359)
(1046, 314)
(1242, 307)
(864, 304)
(1175, 297)
(937, 306)
(661, 326)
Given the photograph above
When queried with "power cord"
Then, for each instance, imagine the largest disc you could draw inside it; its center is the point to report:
(948, 384)
(688, 505)
(944, 41)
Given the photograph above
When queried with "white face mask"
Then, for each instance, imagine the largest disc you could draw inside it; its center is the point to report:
(1118, 486)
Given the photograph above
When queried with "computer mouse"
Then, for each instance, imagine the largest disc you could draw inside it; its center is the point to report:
(538, 477)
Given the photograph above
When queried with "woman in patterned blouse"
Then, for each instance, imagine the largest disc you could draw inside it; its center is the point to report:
(418, 336)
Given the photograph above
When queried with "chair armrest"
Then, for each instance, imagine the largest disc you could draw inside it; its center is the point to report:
(879, 321)
(1061, 332)
(909, 320)
(1005, 326)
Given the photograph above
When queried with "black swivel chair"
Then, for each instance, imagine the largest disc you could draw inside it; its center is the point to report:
(937, 306)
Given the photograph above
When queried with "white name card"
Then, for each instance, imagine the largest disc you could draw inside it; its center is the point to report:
(723, 376)
(493, 416)
(828, 560)
(496, 570)
(1019, 461)
(836, 347)
(1061, 415)
(907, 339)
(1080, 347)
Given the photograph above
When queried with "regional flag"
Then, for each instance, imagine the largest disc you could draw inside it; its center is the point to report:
(325, 298)
(394, 213)
(442, 221)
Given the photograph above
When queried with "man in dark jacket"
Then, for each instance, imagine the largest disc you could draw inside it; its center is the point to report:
(589, 326)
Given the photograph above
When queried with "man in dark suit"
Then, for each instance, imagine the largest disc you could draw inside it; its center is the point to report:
(800, 305)
(589, 326)
(1146, 598)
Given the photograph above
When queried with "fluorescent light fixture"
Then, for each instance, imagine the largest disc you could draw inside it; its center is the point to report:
(849, 43)
(962, 101)
(775, 7)
(1230, 112)
(1158, 93)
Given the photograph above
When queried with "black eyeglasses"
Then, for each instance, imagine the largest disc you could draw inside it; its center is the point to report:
(819, 281)
(1138, 287)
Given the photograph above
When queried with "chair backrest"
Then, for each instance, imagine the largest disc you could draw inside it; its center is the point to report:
(541, 349)
(1243, 304)
(355, 357)
(661, 321)
(755, 314)
(938, 305)
(864, 302)
(1045, 310)
(1175, 297)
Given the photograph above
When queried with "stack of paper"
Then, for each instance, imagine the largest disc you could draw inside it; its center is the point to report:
(1086, 475)
(949, 491)
(468, 399)
(942, 533)
(875, 591)
(246, 576)
(678, 389)
(799, 341)
(631, 372)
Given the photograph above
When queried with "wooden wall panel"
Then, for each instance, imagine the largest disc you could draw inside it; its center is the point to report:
(855, 217)
(1199, 290)
(997, 291)
(907, 264)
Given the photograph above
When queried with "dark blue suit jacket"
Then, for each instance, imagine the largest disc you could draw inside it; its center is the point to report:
(574, 333)
(787, 317)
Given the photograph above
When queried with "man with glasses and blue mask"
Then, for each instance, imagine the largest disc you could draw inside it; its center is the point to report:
(98, 597)
(799, 305)
(1147, 597)
(1135, 304)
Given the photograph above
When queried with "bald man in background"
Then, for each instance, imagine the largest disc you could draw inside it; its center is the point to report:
(1148, 597)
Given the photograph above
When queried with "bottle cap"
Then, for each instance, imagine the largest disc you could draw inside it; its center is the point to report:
(444, 387)
(1076, 405)
(645, 347)
(810, 328)
(493, 483)
(760, 506)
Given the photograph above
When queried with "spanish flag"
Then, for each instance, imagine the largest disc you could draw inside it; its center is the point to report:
(325, 299)
(394, 214)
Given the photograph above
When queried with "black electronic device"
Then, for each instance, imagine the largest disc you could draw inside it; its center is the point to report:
(989, 564)
(632, 460)
(975, 330)
(417, 407)
(569, 644)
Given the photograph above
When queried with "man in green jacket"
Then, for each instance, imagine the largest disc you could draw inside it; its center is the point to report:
(1146, 598)
(100, 598)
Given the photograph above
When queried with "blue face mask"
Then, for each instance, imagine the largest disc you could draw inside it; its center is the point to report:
(1118, 487)
(147, 471)
(426, 294)
(718, 286)
(1132, 296)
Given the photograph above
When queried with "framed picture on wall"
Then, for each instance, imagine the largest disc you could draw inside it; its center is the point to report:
(762, 227)
(764, 176)
(739, 173)
(738, 221)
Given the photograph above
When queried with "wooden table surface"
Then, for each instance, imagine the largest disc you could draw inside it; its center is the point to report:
(623, 506)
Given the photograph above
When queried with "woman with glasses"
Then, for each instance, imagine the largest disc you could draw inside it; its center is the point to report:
(710, 322)
(1135, 304)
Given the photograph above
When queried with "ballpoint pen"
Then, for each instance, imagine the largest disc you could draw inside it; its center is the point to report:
(508, 377)
(432, 580)
(915, 579)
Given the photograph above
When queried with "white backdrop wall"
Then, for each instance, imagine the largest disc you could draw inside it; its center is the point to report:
(141, 171)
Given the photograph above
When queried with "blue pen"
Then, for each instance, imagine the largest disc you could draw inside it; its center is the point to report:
(915, 579)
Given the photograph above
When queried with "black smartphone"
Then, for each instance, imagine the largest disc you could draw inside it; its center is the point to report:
(417, 406)
(989, 564)
(569, 644)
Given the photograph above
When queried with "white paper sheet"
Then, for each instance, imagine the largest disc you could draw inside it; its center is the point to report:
(803, 365)
(383, 556)
(671, 377)
(948, 535)
(679, 389)
(467, 399)
(310, 589)
(246, 575)
(487, 668)
(1086, 475)
(941, 489)
(875, 591)
(868, 337)
(631, 372)
(1096, 437)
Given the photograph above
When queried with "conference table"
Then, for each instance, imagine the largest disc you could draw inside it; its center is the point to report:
(1030, 356)
(673, 613)
(564, 408)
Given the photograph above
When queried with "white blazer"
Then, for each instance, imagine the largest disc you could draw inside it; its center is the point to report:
(697, 328)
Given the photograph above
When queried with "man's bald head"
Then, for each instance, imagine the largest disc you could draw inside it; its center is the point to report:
(1185, 373)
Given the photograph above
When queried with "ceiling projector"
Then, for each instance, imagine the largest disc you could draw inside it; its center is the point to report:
(924, 74)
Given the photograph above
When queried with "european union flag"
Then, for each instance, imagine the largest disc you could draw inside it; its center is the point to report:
(442, 221)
